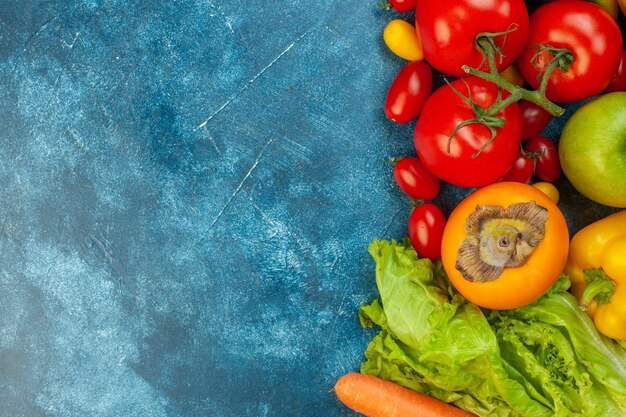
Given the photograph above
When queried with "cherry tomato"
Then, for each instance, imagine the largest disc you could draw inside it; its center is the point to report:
(592, 36)
(449, 29)
(403, 5)
(548, 189)
(426, 225)
(618, 83)
(472, 158)
(547, 164)
(521, 170)
(534, 119)
(408, 92)
(403, 39)
(512, 75)
(415, 180)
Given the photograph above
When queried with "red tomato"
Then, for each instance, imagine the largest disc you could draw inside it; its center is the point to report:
(408, 92)
(426, 225)
(547, 164)
(415, 180)
(521, 170)
(449, 29)
(466, 164)
(592, 36)
(534, 119)
(618, 83)
(403, 5)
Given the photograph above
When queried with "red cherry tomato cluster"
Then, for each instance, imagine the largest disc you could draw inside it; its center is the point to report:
(426, 222)
(505, 72)
(547, 164)
(540, 157)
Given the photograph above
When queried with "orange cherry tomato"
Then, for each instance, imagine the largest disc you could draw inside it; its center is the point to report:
(404, 40)
(513, 75)
(516, 286)
(548, 189)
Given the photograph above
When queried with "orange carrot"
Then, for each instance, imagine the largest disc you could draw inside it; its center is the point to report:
(377, 397)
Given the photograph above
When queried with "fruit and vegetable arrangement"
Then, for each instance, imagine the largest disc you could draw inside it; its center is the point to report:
(496, 310)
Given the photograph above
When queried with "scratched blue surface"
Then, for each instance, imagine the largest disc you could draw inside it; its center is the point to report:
(187, 192)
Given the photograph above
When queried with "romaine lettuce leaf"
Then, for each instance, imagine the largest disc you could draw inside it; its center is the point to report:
(545, 359)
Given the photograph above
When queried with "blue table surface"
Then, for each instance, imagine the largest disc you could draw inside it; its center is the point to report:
(188, 189)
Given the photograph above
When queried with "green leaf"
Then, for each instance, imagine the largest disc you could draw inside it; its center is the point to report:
(372, 314)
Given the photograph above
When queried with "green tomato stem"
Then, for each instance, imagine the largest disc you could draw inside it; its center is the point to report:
(561, 57)
(488, 117)
(517, 93)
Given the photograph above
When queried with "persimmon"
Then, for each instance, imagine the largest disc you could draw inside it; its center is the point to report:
(505, 245)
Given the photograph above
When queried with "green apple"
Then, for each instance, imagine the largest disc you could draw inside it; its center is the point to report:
(592, 149)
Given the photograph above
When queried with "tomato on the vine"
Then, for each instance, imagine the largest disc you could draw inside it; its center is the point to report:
(534, 119)
(582, 28)
(426, 225)
(471, 157)
(521, 170)
(415, 180)
(618, 83)
(408, 92)
(449, 29)
(547, 163)
(403, 5)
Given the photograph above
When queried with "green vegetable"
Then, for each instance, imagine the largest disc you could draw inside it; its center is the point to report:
(543, 360)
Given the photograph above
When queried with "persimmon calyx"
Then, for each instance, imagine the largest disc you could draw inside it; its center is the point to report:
(499, 238)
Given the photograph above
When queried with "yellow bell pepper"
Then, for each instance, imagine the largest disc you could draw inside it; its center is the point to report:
(596, 266)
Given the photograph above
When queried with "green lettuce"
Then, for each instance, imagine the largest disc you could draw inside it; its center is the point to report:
(543, 360)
